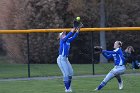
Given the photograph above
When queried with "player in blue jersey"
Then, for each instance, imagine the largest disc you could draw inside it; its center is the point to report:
(119, 65)
(62, 59)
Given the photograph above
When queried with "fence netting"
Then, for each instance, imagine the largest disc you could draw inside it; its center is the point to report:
(36, 53)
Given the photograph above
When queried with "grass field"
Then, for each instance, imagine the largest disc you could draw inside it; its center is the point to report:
(43, 70)
(80, 85)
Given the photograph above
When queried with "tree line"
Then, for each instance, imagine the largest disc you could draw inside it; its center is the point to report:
(43, 14)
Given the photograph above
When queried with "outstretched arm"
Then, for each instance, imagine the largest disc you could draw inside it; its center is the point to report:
(68, 35)
(113, 52)
(107, 54)
(75, 35)
(110, 52)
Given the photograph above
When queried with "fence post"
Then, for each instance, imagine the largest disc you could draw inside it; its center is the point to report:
(92, 52)
(28, 54)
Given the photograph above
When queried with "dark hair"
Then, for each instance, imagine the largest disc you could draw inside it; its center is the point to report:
(120, 43)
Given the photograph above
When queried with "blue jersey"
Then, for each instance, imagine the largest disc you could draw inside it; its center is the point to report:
(117, 54)
(65, 43)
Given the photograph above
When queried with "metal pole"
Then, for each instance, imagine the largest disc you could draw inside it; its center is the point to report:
(28, 55)
(92, 52)
(102, 32)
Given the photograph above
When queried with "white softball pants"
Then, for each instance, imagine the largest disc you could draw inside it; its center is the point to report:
(115, 72)
(65, 67)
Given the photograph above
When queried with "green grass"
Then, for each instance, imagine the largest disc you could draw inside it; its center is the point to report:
(20, 70)
(8, 70)
(80, 85)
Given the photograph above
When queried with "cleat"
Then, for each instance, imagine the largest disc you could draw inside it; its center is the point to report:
(70, 90)
(121, 85)
(66, 90)
(96, 89)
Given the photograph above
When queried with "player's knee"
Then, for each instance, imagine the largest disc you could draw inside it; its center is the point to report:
(66, 78)
(71, 74)
(70, 77)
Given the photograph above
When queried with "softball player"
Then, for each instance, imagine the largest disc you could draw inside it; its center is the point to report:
(119, 67)
(62, 59)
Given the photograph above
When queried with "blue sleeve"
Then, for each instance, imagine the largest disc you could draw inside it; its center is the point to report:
(106, 54)
(67, 36)
(73, 37)
(110, 52)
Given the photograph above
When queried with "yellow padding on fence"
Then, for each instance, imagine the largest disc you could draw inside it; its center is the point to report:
(68, 29)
